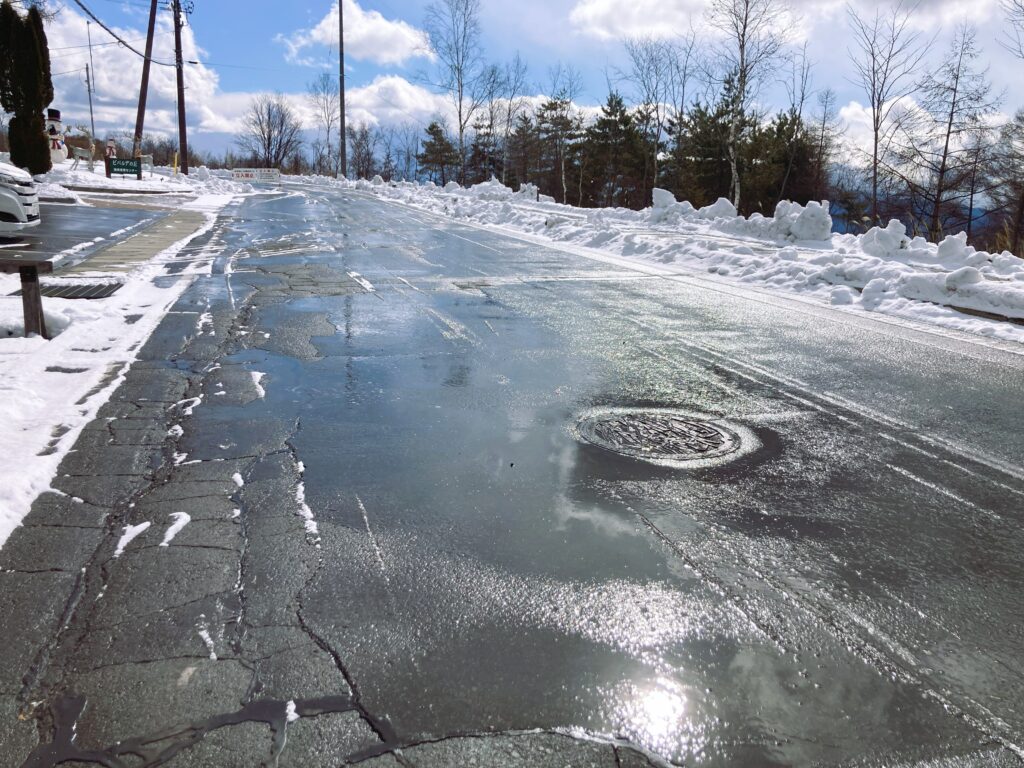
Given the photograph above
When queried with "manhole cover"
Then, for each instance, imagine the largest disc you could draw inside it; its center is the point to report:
(660, 436)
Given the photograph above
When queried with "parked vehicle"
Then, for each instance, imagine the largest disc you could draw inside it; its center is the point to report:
(19, 200)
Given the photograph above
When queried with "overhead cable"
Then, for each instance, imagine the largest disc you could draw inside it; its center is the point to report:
(117, 37)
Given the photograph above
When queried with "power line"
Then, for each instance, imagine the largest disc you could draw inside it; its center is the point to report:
(95, 45)
(117, 37)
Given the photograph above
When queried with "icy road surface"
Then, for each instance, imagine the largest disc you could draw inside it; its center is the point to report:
(376, 423)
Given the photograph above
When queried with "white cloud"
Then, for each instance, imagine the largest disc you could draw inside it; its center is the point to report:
(393, 99)
(607, 19)
(118, 73)
(368, 37)
(388, 99)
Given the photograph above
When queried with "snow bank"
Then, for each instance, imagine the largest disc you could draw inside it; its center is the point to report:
(60, 182)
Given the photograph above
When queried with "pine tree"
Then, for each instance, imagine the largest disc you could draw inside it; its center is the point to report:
(522, 152)
(25, 86)
(615, 159)
(558, 129)
(698, 169)
(439, 157)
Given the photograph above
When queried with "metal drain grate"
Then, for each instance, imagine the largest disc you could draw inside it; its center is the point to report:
(658, 435)
(77, 290)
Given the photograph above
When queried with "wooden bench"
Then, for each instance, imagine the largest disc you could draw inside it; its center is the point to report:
(31, 298)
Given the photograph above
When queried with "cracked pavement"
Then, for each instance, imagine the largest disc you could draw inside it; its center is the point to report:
(397, 552)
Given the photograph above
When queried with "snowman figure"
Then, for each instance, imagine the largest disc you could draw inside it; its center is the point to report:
(55, 134)
(111, 150)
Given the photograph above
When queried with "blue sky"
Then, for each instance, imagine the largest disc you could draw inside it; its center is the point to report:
(266, 45)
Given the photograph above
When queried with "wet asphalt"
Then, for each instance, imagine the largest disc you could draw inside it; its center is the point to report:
(479, 584)
(84, 228)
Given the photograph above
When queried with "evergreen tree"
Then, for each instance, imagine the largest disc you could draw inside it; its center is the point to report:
(522, 152)
(484, 154)
(439, 157)
(25, 86)
(615, 159)
(698, 169)
(558, 131)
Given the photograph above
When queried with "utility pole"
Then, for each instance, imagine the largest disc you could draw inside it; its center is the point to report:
(182, 136)
(89, 75)
(342, 147)
(92, 120)
(141, 116)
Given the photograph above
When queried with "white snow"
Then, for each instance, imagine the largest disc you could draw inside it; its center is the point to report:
(793, 251)
(366, 284)
(304, 511)
(55, 183)
(49, 390)
(257, 379)
(181, 519)
(188, 405)
(237, 478)
(130, 532)
(289, 711)
(204, 633)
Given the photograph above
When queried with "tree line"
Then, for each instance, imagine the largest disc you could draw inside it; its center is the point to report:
(687, 115)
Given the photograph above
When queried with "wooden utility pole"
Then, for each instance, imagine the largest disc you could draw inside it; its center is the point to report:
(342, 147)
(140, 118)
(182, 136)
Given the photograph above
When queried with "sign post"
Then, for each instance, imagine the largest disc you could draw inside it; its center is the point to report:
(124, 167)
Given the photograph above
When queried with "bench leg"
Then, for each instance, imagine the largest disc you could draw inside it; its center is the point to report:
(32, 302)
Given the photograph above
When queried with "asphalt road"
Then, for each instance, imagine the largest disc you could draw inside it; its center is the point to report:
(85, 228)
(384, 427)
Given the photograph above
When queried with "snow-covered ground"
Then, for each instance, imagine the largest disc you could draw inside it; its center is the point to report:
(49, 390)
(61, 182)
(882, 271)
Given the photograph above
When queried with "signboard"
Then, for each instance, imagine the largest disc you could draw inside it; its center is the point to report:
(124, 167)
(256, 174)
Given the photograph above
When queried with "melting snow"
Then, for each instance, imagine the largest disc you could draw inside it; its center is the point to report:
(181, 519)
(257, 379)
(130, 532)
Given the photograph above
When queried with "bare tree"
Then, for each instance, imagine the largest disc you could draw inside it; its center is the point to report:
(1007, 191)
(490, 87)
(826, 131)
(559, 120)
(935, 148)
(798, 88)
(515, 105)
(886, 56)
(322, 95)
(649, 75)
(753, 39)
(362, 150)
(408, 149)
(454, 30)
(272, 131)
(1013, 38)
(681, 65)
(387, 139)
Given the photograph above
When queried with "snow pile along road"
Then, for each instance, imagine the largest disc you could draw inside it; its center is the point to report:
(60, 183)
(882, 271)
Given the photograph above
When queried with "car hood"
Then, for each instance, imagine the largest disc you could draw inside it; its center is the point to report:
(14, 172)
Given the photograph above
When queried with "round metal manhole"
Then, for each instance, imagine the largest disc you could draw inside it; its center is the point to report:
(660, 436)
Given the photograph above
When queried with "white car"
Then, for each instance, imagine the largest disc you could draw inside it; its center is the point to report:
(19, 200)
